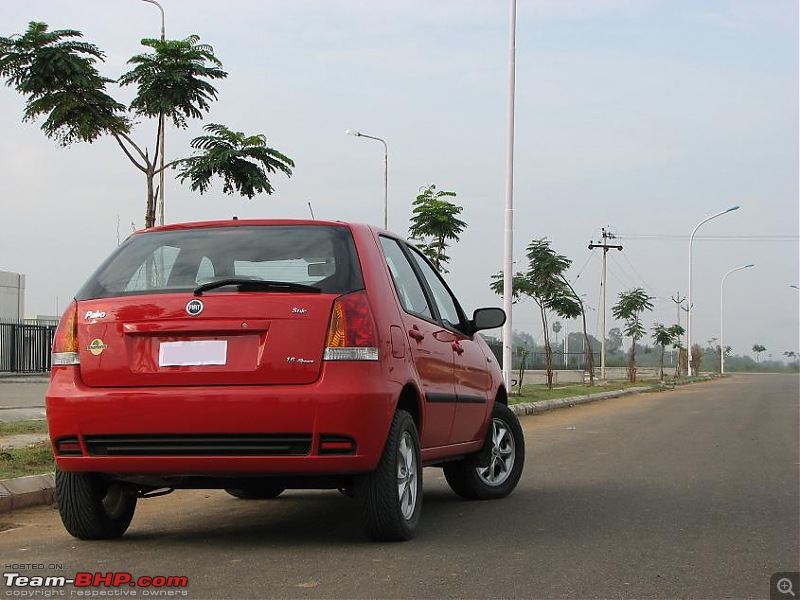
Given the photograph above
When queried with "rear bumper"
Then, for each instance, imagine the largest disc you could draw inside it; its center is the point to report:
(209, 431)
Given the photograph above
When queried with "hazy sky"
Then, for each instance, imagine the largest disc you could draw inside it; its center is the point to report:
(641, 116)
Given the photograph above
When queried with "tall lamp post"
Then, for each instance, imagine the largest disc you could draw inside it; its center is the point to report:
(689, 313)
(508, 204)
(161, 127)
(357, 133)
(722, 317)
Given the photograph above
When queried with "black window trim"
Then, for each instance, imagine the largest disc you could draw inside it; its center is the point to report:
(408, 249)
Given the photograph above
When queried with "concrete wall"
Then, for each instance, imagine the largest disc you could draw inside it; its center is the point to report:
(12, 296)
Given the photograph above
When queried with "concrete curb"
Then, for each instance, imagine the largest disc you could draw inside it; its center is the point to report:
(36, 490)
(533, 408)
(23, 492)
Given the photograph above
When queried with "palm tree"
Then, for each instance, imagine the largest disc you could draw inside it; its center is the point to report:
(758, 349)
(435, 223)
(628, 308)
(241, 161)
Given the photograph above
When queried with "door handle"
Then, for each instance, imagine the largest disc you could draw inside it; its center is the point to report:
(457, 348)
(416, 334)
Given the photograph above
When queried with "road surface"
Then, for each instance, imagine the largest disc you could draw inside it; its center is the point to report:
(687, 493)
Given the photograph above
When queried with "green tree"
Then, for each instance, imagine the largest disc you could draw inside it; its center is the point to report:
(629, 307)
(676, 335)
(758, 349)
(614, 340)
(663, 337)
(544, 282)
(435, 223)
(241, 161)
(56, 73)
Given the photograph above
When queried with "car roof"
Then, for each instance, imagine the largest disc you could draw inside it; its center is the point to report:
(251, 223)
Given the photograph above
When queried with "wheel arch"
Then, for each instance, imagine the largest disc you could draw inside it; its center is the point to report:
(410, 401)
(502, 395)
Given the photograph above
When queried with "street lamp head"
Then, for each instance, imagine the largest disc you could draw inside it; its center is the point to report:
(354, 132)
(750, 265)
(732, 208)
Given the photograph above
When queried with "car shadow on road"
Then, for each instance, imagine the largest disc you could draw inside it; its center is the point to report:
(298, 517)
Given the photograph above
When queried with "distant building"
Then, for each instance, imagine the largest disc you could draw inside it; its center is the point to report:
(12, 296)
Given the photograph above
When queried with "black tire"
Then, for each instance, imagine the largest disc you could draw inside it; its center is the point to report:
(260, 492)
(390, 497)
(93, 508)
(494, 471)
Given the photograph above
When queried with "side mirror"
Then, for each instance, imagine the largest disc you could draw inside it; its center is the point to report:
(488, 318)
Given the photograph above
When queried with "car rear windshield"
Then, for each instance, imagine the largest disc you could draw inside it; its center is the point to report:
(180, 260)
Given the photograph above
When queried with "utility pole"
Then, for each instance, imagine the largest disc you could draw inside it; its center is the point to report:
(678, 301)
(607, 235)
(678, 306)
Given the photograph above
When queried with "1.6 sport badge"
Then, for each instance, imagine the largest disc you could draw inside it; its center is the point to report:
(194, 307)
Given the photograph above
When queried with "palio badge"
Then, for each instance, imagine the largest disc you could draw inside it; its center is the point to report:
(96, 347)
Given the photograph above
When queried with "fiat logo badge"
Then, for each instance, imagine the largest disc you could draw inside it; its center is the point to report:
(194, 307)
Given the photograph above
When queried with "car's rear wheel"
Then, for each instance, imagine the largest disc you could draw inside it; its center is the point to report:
(494, 471)
(92, 507)
(390, 497)
(256, 492)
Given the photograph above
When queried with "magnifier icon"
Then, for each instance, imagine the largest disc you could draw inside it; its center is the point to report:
(784, 586)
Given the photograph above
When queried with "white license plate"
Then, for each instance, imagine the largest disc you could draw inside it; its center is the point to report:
(183, 354)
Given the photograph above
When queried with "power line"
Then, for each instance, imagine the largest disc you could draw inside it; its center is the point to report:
(738, 238)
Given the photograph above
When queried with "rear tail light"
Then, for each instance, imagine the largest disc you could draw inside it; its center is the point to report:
(351, 333)
(65, 341)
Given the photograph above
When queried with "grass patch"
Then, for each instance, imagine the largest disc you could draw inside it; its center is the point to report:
(17, 427)
(32, 460)
(532, 393)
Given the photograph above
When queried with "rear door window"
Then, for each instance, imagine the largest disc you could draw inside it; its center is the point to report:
(446, 304)
(409, 289)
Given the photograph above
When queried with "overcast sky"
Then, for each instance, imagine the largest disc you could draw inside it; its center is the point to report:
(641, 116)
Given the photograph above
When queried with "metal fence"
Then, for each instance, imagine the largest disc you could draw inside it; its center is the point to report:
(536, 360)
(25, 346)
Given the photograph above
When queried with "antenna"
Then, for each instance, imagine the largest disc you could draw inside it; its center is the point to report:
(311, 210)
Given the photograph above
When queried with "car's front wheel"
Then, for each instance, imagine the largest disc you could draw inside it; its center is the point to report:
(390, 497)
(92, 507)
(494, 471)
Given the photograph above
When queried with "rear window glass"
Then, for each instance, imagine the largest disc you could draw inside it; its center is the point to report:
(180, 260)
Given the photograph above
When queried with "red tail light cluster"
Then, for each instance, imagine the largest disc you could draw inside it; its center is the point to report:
(65, 341)
(351, 334)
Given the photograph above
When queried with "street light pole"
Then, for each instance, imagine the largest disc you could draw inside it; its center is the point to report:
(161, 127)
(722, 317)
(689, 312)
(385, 172)
(508, 218)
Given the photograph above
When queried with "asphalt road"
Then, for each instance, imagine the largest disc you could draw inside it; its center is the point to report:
(691, 493)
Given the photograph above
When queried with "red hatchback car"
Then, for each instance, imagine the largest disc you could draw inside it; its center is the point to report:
(258, 356)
